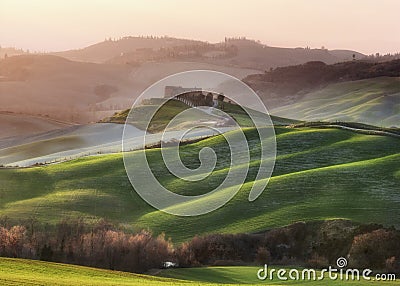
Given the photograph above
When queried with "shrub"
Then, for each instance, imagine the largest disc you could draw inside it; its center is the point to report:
(372, 249)
(263, 255)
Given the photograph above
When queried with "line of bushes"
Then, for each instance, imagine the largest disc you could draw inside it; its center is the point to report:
(312, 244)
(101, 245)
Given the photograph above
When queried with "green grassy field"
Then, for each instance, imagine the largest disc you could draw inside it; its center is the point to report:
(319, 174)
(373, 101)
(248, 275)
(32, 272)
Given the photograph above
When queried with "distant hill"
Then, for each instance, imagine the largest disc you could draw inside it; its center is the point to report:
(372, 101)
(316, 74)
(358, 91)
(82, 92)
(347, 55)
(256, 55)
(108, 49)
(61, 89)
(233, 52)
(9, 51)
(14, 124)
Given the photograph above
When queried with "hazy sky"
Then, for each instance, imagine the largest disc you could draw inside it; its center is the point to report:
(367, 26)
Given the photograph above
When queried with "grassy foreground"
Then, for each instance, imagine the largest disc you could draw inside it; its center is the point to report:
(319, 174)
(32, 272)
(248, 275)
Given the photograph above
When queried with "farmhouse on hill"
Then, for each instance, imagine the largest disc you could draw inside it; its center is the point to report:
(194, 96)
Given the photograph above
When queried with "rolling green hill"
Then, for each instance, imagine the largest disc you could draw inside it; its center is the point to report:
(247, 275)
(319, 174)
(168, 109)
(372, 101)
(31, 272)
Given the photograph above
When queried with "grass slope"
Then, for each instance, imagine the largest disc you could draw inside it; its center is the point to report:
(32, 272)
(319, 174)
(371, 101)
(248, 275)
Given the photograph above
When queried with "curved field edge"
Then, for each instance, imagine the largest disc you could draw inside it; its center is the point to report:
(319, 174)
(248, 275)
(372, 101)
(33, 272)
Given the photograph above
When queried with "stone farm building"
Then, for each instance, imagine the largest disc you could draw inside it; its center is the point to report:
(195, 96)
